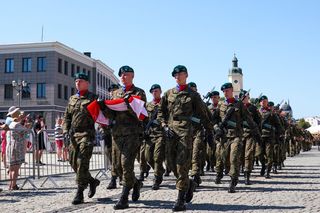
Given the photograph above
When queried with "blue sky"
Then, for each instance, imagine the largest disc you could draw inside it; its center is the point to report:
(277, 42)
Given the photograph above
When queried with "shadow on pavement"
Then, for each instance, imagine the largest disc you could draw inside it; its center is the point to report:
(229, 207)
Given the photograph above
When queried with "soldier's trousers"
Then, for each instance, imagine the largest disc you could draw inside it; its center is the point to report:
(283, 151)
(198, 153)
(211, 154)
(292, 148)
(142, 158)
(124, 152)
(228, 153)
(266, 156)
(276, 153)
(79, 158)
(179, 159)
(249, 148)
(154, 154)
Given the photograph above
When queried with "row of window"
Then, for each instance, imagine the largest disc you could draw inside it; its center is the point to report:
(103, 81)
(73, 68)
(25, 92)
(26, 64)
(65, 91)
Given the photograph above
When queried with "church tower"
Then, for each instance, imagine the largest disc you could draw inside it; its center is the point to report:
(235, 77)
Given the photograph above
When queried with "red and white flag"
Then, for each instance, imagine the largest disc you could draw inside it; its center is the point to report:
(136, 104)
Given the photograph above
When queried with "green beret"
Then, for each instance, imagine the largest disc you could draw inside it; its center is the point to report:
(263, 98)
(243, 93)
(270, 103)
(155, 86)
(113, 87)
(82, 76)
(124, 69)
(214, 93)
(226, 86)
(192, 84)
(178, 69)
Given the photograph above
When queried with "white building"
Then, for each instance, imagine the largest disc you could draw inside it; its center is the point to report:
(313, 121)
(236, 77)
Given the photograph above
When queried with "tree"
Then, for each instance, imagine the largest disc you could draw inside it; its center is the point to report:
(303, 124)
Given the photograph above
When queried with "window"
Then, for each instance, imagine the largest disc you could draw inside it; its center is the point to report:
(65, 92)
(104, 82)
(59, 65)
(9, 65)
(42, 64)
(8, 91)
(72, 70)
(59, 91)
(72, 91)
(41, 90)
(78, 69)
(26, 92)
(65, 67)
(26, 64)
(89, 73)
(84, 70)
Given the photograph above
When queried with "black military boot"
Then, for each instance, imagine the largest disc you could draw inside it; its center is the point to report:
(123, 201)
(232, 186)
(136, 190)
(189, 193)
(93, 184)
(208, 167)
(141, 176)
(274, 169)
(201, 172)
(247, 178)
(180, 204)
(78, 199)
(167, 172)
(268, 174)
(257, 162)
(218, 178)
(113, 183)
(147, 172)
(156, 182)
(197, 180)
(263, 169)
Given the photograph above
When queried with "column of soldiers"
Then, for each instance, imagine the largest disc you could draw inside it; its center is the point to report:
(182, 134)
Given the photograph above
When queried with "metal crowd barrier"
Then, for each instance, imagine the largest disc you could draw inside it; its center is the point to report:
(49, 167)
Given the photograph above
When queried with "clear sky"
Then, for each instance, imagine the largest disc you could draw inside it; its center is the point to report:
(276, 42)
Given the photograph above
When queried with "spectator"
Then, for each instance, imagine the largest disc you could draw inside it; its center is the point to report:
(3, 147)
(58, 135)
(15, 146)
(39, 127)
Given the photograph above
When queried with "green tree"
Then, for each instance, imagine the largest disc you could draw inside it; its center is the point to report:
(303, 124)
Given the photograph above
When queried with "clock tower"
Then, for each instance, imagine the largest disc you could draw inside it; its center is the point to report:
(236, 77)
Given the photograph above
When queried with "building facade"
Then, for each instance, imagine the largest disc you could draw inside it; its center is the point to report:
(236, 77)
(313, 121)
(39, 77)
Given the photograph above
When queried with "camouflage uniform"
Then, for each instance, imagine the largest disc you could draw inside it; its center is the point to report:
(79, 124)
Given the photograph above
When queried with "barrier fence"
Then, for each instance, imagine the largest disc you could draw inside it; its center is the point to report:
(48, 166)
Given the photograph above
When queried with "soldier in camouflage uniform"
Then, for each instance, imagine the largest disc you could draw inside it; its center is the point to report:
(249, 142)
(269, 124)
(178, 105)
(155, 141)
(229, 133)
(283, 148)
(126, 132)
(79, 125)
(211, 149)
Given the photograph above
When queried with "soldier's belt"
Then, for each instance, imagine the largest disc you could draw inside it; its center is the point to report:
(231, 124)
(268, 126)
(186, 118)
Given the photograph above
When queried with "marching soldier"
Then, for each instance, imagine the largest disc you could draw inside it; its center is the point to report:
(79, 125)
(175, 115)
(126, 131)
(155, 141)
(229, 133)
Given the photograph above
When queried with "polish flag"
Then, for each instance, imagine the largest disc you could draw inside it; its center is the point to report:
(135, 102)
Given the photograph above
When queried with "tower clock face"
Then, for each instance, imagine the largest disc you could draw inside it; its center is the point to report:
(235, 81)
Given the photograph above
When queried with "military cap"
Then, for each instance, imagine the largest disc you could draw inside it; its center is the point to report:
(226, 86)
(270, 103)
(112, 87)
(155, 86)
(243, 93)
(124, 69)
(82, 76)
(192, 84)
(263, 98)
(178, 69)
(214, 93)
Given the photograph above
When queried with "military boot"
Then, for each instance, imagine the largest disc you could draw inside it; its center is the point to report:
(263, 169)
(123, 201)
(257, 162)
(218, 178)
(156, 182)
(136, 190)
(247, 178)
(268, 174)
(147, 172)
(93, 184)
(180, 204)
(232, 186)
(78, 199)
(141, 176)
(197, 180)
(113, 183)
(274, 169)
(167, 172)
(208, 167)
(189, 193)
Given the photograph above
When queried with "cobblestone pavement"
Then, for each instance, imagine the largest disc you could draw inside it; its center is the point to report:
(295, 189)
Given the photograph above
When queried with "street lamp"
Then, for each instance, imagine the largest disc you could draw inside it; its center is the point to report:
(18, 86)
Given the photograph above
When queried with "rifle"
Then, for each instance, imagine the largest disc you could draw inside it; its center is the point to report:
(207, 96)
(151, 121)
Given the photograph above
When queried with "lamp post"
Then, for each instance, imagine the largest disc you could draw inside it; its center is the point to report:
(18, 86)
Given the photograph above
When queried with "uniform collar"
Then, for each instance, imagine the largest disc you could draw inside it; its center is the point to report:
(127, 88)
(156, 101)
(230, 100)
(82, 93)
(181, 87)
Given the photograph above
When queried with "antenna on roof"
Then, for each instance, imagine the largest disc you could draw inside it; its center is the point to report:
(42, 34)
